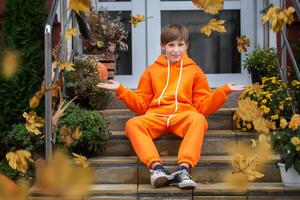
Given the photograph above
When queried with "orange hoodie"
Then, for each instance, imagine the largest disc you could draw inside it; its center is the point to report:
(165, 89)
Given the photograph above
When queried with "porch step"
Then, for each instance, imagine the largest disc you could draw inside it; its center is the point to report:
(129, 170)
(220, 120)
(210, 191)
(216, 142)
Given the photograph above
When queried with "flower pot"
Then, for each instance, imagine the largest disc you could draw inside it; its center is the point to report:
(255, 76)
(108, 60)
(290, 178)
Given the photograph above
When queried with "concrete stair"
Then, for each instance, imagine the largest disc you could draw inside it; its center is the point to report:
(120, 175)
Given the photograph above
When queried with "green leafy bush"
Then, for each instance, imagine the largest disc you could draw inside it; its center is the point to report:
(23, 31)
(261, 63)
(82, 83)
(93, 128)
(20, 138)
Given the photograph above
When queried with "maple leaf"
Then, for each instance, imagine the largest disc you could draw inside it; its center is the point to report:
(295, 122)
(33, 122)
(10, 63)
(60, 176)
(213, 25)
(136, 19)
(68, 136)
(81, 160)
(248, 110)
(71, 32)
(278, 17)
(209, 6)
(247, 166)
(68, 66)
(19, 160)
(263, 126)
(80, 5)
(35, 100)
(242, 42)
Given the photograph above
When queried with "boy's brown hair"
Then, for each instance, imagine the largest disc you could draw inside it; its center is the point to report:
(174, 32)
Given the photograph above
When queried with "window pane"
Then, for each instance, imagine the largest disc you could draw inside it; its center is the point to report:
(124, 61)
(214, 54)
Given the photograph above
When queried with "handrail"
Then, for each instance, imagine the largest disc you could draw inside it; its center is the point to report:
(48, 79)
(297, 7)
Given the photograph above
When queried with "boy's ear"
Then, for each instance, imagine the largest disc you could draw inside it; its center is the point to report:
(187, 46)
(162, 48)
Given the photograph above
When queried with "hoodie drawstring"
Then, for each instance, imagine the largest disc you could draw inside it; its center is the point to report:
(176, 92)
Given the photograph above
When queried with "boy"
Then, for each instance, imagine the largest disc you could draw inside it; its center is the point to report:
(173, 96)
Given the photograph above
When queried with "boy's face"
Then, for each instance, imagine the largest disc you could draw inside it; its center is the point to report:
(174, 50)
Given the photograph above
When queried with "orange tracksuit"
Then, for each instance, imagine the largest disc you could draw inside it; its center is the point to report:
(171, 98)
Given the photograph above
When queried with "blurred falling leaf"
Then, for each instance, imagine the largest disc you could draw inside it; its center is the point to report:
(33, 122)
(295, 122)
(136, 19)
(35, 100)
(81, 160)
(242, 42)
(210, 6)
(66, 66)
(246, 166)
(248, 110)
(11, 191)
(19, 160)
(71, 32)
(254, 143)
(10, 63)
(262, 125)
(59, 176)
(68, 136)
(278, 17)
(213, 25)
(80, 5)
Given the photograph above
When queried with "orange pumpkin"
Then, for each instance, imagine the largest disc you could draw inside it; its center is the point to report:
(8, 184)
(102, 71)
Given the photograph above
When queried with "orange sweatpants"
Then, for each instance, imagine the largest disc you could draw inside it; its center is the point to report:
(191, 126)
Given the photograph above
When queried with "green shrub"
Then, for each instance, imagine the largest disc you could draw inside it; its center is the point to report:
(23, 31)
(82, 83)
(20, 138)
(93, 128)
(6, 170)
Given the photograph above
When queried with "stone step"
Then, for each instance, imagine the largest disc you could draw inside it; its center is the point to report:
(215, 143)
(220, 120)
(129, 170)
(210, 191)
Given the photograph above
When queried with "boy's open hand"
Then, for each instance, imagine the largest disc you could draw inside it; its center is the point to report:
(235, 87)
(109, 85)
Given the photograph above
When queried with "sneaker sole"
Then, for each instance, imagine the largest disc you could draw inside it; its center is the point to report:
(160, 182)
(185, 185)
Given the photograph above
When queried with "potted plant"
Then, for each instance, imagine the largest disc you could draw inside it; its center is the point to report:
(261, 63)
(108, 37)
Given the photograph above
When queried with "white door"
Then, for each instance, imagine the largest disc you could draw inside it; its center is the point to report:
(217, 55)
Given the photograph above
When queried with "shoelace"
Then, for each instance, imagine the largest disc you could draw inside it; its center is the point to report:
(185, 174)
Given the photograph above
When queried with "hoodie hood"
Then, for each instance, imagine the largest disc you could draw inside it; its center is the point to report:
(163, 61)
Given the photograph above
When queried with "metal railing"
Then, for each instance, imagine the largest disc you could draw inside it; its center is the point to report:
(51, 78)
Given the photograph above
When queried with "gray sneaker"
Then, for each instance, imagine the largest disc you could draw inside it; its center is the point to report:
(160, 178)
(182, 179)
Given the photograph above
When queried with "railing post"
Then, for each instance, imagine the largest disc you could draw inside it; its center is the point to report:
(48, 95)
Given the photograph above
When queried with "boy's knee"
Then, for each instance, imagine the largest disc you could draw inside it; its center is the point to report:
(198, 119)
(130, 126)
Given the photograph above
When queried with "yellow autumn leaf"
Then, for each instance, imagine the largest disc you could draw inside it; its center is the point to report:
(295, 122)
(68, 66)
(278, 17)
(35, 100)
(81, 160)
(33, 122)
(59, 176)
(210, 6)
(136, 19)
(242, 42)
(9, 63)
(254, 143)
(68, 136)
(262, 125)
(213, 25)
(264, 141)
(80, 5)
(71, 32)
(247, 166)
(248, 110)
(19, 160)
